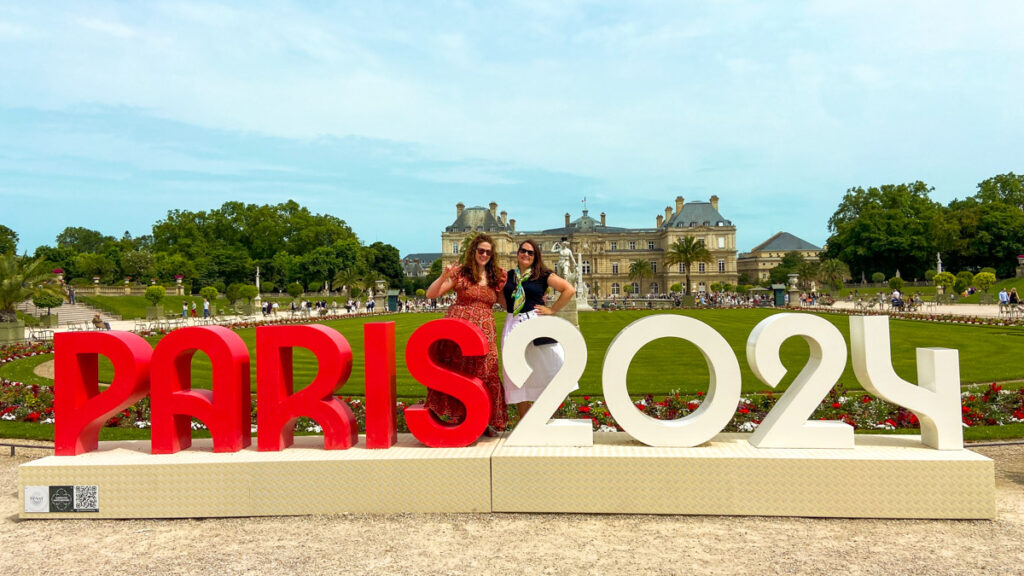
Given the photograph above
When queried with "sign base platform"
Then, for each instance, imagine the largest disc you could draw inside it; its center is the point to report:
(883, 477)
(302, 479)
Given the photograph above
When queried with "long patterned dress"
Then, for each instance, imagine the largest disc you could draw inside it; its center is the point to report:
(473, 303)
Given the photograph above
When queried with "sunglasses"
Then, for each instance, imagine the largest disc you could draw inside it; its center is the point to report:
(525, 251)
(483, 251)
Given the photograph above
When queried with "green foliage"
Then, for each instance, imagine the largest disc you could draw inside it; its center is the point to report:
(295, 290)
(963, 280)
(639, 270)
(628, 288)
(248, 291)
(220, 287)
(716, 287)
(677, 287)
(687, 251)
(8, 240)
(878, 277)
(890, 227)
(832, 273)
(267, 287)
(47, 300)
(155, 294)
(355, 291)
(233, 292)
(421, 292)
(929, 274)
(435, 269)
(315, 286)
(896, 283)
(23, 278)
(988, 269)
(209, 292)
(944, 279)
(984, 280)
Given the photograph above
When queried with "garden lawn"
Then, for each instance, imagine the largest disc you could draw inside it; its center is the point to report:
(986, 353)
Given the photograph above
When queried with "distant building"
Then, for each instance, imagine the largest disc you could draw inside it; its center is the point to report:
(757, 263)
(416, 265)
(606, 252)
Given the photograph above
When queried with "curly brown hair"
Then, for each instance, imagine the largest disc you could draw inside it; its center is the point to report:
(471, 271)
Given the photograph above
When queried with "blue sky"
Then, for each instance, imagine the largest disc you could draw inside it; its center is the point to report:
(388, 114)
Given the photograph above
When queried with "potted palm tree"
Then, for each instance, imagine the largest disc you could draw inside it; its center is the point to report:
(20, 280)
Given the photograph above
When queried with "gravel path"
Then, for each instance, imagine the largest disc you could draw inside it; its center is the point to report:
(519, 543)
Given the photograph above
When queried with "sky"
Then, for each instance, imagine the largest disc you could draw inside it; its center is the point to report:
(387, 114)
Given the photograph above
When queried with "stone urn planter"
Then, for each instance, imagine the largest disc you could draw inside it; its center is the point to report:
(12, 331)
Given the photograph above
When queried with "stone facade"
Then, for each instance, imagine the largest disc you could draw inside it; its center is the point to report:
(606, 252)
(757, 263)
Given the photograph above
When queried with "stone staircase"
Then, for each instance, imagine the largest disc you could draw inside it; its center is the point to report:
(68, 313)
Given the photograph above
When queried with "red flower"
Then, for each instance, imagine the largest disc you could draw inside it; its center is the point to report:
(32, 417)
(586, 398)
(865, 399)
(744, 410)
(585, 409)
(836, 405)
(700, 393)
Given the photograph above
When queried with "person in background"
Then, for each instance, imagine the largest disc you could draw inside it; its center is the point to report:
(524, 299)
(477, 283)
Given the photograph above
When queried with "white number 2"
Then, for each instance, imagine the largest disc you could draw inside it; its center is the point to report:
(536, 428)
(786, 426)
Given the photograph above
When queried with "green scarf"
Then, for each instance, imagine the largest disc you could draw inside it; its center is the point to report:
(519, 295)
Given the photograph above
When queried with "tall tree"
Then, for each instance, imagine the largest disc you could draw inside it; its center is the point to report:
(687, 251)
(894, 226)
(8, 240)
(833, 273)
(639, 270)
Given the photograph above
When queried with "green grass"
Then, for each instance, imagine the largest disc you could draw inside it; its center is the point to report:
(131, 307)
(22, 370)
(986, 353)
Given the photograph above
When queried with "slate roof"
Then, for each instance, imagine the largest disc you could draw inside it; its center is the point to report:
(784, 242)
(476, 218)
(582, 224)
(696, 214)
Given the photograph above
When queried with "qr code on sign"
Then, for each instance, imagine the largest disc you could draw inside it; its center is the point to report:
(87, 499)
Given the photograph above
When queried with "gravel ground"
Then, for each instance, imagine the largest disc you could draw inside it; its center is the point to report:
(518, 543)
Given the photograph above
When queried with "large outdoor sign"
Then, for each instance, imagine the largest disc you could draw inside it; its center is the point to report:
(164, 373)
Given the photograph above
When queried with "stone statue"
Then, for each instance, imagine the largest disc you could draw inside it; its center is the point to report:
(257, 279)
(938, 262)
(566, 266)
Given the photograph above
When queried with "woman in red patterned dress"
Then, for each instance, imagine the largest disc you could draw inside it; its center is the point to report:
(478, 283)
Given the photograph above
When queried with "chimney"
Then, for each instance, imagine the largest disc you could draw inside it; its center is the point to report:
(658, 220)
(602, 219)
(494, 210)
(714, 202)
(504, 217)
(668, 213)
(512, 223)
(679, 204)
(567, 219)
(459, 208)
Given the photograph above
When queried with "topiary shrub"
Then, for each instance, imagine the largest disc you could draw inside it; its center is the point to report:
(155, 294)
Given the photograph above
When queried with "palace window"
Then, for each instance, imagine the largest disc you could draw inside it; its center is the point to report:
(654, 287)
(586, 267)
(721, 241)
(632, 245)
(654, 266)
(615, 288)
(455, 247)
(614, 246)
(615, 268)
(682, 268)
(721, 265)
(700, 267)
(636, 288)
(650, 244)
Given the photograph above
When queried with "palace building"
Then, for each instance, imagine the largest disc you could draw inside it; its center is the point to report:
(758, 263)
(605, 252)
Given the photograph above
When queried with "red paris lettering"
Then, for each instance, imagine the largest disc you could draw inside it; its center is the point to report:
(80, 409)
(279, 408)
(379, 350)
(225, 410)
(468, 390)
